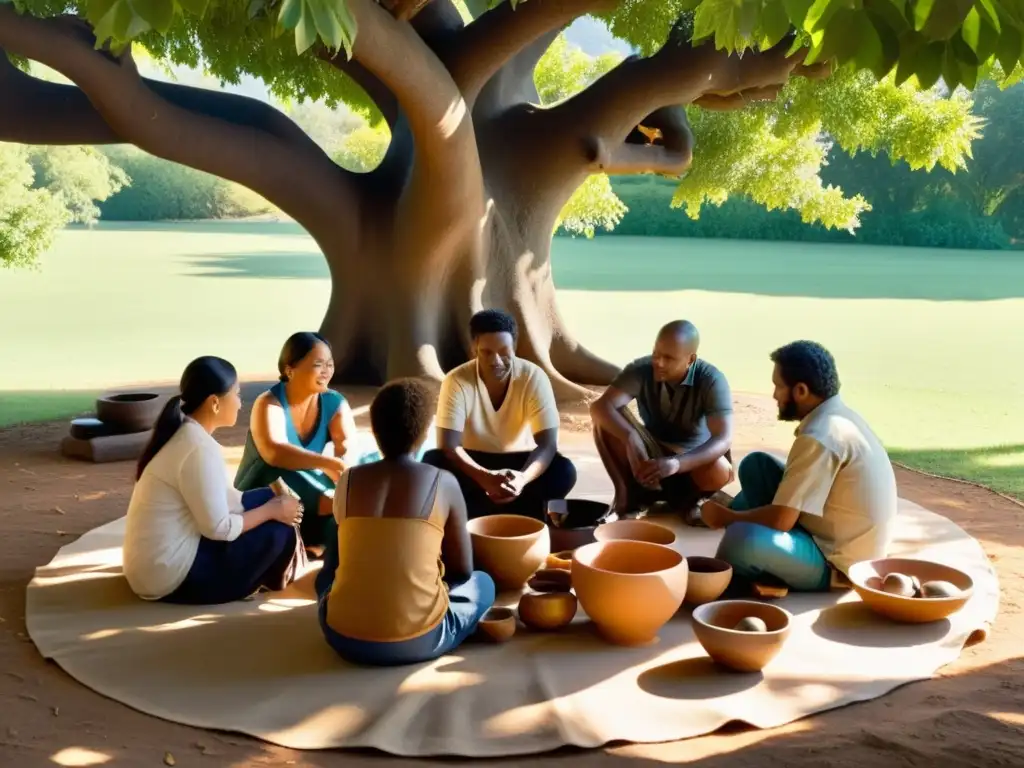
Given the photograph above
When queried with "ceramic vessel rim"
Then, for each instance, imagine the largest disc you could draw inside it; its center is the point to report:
(864, 565)
(726, 569)
(641, 524)
(543, 527)
(700, 609)
(630, 543)
(506, 614)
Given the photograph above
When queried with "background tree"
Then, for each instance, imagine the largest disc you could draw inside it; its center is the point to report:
(459, 213)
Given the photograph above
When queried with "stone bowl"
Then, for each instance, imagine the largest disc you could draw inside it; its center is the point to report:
(129, 412)
(866, 577)
(547, 611)
(497, 625)
(629, 589)
(509, 547)
(560, 560)
(709, 577)
(574, 521)
(635, 530)
(735, 649)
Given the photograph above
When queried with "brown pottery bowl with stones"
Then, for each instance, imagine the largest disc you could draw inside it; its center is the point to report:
(715, 625)
(867, 578)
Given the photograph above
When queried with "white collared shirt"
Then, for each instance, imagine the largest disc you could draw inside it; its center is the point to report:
(838, 475)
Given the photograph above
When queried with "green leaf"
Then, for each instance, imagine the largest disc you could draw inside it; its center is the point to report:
(95, 10)
(893, 11)
(950, 69)
(988, 10)
(940, 19)
(981, 36)
(349, 26)
(195, 7)
(774, 25)
(890, 43)
(963, 52)
(797, 10)
(290, 14)
(327, 24)
(821, 13)
(255, 8)
(1009, 48)
(305, 31)
(159, 14)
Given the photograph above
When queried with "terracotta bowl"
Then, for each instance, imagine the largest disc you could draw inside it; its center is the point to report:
(497, 625)
(867, 576)
(574, 521)
(735, 649)
(509, 547)
(707, 580)
(635, 530)
(560, 560)
(550, 580)
(547, 611)
(629, 589)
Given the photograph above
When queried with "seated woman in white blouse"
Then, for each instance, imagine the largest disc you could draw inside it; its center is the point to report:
(190, 536)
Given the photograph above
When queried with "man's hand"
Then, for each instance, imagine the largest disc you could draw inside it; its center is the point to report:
(715, 515)
(636, 453)
(497, 487)
(515, 482)
(653, 471)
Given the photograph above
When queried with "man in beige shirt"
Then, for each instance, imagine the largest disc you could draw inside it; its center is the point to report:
(497, 427)
(831, 505)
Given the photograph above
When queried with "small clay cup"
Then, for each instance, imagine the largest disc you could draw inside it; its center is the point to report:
(709, 577)
(547, 611)
(497, 625)
(550, 580)
(560, 560)
(866, 578)
(128, 412)
(635, 530)
(509, 547)
(629, 589)
(732, 648)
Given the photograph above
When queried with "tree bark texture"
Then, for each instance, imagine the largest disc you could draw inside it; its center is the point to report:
(459, 215)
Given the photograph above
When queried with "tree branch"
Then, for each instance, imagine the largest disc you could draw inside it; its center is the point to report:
(678, 74)
(225, 135)
(379, 93)
(662, 143)
(437, 114)
(494, 39)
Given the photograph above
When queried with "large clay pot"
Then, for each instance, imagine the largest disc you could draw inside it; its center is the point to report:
(708, 579)
(635, 530)
(509, 547)
(714, 623)
(629, 589)
(574, 521)
(867, 575)
(130, 411)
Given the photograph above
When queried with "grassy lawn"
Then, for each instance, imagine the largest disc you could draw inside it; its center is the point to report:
(925, 339)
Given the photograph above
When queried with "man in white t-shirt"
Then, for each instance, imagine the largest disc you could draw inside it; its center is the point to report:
(803, 524)
(497, 427)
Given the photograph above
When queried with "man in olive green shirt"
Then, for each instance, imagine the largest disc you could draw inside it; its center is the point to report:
(678, 451)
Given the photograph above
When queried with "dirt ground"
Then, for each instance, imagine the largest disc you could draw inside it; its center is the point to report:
(971, 714)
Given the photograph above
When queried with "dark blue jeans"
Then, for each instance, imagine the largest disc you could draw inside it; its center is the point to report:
(756, 551)
(225, 571)
(467, 603)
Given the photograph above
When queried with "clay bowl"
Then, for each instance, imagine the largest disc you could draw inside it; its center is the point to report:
(548, 610)
(573, 522)
(635, 530)
(130, 411)
(867, 576)
(629, 589)
(560, 560)
(708, 579)
(497, 625)
(734, 649)
(509, 547)
(550, 580)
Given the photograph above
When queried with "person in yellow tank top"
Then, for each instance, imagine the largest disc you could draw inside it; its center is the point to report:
(397, 584)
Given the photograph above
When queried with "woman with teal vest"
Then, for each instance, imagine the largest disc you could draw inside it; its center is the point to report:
(290, 428)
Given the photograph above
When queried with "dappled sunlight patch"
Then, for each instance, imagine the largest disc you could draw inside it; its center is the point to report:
(434, 678)
(281, 605)
(189, 623)
(79, 757)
